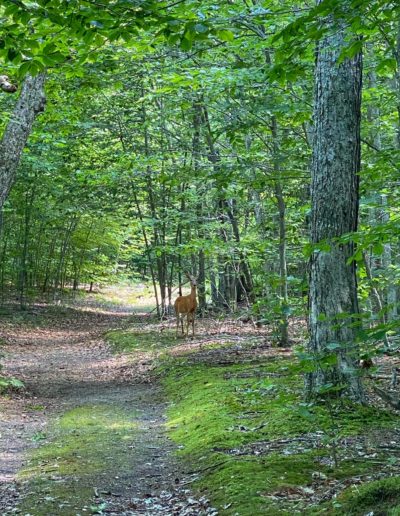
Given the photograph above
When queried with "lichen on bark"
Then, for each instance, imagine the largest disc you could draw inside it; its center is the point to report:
(30, 103)
(334, 200)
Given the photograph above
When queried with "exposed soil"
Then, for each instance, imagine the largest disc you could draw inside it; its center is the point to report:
(60, 355)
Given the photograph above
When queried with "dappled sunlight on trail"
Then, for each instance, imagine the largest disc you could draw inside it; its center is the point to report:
(61, 356)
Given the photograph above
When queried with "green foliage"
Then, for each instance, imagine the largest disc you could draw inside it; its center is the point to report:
(114, 153)
(177, 136)
(7, 384)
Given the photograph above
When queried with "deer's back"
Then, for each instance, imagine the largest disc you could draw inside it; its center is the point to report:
(184, 304)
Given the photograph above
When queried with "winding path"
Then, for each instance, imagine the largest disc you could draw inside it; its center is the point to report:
(67, 367)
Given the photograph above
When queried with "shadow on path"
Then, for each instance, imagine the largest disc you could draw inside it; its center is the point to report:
(83, 437)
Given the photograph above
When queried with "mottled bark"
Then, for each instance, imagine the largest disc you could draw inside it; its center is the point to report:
(30, 103)
(335, 197)
(391, 290)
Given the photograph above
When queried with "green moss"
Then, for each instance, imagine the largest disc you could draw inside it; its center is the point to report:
(381, 497)
(217, 410)
(246, 482)
(133, 340)
(89, 445)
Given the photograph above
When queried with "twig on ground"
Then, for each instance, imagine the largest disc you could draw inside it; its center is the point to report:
(391, 400)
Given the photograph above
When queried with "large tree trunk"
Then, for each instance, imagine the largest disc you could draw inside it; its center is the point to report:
(334, 197)
(30, 103)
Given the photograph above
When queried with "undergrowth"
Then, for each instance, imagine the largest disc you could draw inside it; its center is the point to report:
(8, 384)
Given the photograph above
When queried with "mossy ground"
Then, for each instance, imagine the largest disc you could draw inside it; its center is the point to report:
(236, 413)
(227, 421)
(256, 448)
(84, 450)
(380, 498)
(139, 340)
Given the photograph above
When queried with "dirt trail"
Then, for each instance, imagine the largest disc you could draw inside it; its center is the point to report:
(72, 376)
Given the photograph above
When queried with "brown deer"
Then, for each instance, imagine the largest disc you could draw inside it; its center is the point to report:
(186, 305)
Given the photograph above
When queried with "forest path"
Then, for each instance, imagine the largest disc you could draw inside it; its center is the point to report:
(92, 421)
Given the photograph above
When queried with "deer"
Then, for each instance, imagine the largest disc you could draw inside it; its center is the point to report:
(186, 305)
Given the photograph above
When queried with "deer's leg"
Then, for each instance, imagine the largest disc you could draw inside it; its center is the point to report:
(187, 324)
(177, 324)
(183, 331)
(193, 323)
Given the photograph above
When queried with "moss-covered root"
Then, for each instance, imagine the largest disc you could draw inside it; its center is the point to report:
(380, 498)
(90, 448)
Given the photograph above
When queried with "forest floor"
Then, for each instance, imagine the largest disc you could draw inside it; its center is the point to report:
(87, 434)
(120, 417)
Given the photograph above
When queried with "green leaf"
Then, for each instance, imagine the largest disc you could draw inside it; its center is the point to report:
(378, 248)
(387, 65)
(186, 44)
(225, 35)
(24, 68)
(333, 345)
(12, 54)
(201, 28)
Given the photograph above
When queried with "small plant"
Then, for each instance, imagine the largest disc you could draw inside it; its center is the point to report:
(39, 436)
(98, 509)
(10, 383)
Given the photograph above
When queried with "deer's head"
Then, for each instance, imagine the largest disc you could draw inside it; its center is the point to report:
(192, 279)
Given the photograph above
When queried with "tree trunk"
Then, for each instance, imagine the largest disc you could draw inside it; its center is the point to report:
(391, 291)
(23, 272)
(30, 103)
(245, 280)
(201, 288)
(334, 201)
(280, 201)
